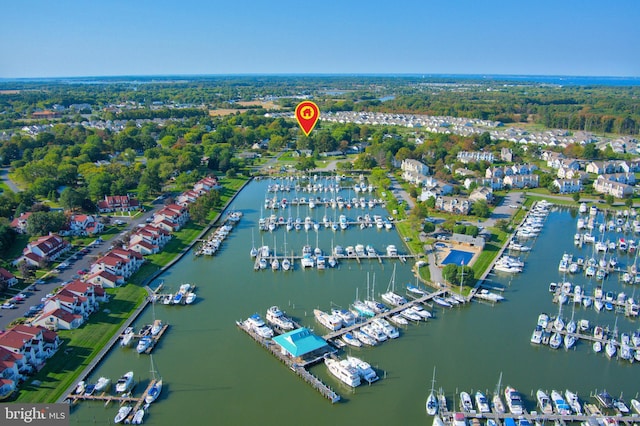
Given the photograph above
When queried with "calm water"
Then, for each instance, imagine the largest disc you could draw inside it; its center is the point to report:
(214, 373)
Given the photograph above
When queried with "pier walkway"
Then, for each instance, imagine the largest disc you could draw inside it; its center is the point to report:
(294, 366)
(423, 300)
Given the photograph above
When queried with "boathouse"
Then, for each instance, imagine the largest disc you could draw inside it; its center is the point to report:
(301, 343)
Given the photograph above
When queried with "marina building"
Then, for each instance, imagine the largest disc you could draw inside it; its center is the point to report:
(301, 343)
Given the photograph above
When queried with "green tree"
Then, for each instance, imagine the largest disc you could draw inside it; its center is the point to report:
(41, 223)
(71, 199)
(428, 227)
(609, 199)
(629, 202)
(481, 209)
(576, 196)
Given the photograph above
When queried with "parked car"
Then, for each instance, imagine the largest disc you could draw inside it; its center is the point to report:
(8, 306)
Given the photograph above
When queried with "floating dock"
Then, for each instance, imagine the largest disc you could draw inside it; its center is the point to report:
(424, 299)
(108, 399)
(591, 411)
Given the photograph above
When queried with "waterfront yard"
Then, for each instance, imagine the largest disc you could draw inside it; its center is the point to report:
(80, 346)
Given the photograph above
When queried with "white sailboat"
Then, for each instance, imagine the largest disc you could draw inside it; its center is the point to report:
(432, 401)
(154, 391)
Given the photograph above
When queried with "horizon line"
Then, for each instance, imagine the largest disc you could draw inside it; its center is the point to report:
(346, 74)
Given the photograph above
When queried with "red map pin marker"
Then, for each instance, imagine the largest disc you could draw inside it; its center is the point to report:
(307, 114)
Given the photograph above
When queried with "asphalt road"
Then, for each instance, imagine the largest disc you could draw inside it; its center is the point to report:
(4, 177)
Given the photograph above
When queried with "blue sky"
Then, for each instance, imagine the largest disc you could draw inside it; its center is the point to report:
(44, 38)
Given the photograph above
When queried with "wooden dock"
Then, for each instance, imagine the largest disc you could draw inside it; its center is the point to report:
(298, 368)
(591, 411)
(424, 299)
(378, 257)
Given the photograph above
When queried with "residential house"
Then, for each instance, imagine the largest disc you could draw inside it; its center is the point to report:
(49, 247)
(104, 279)
(187, 197)
(8, 277)
(34, 343)
(58, 319)
(453, 205)
(506, 155)
(19, 224)
(118, 262)
(411, 165)
(603, 167)
(206, 184)
(475, 156)
(496, 172)
(494, 183)
(553, 159)
(482, 193)
(523, 169)
(10, 366)
(118, 203)
(174, 214)
(628, 178)
(610, 187)
(521, 181)
(83, 225)
(568, 186)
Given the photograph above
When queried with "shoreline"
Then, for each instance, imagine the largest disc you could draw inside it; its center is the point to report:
(95, 362)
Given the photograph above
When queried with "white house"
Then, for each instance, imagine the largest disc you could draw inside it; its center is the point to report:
(568, 186)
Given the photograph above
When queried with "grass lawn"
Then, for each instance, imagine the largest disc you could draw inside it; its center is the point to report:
(80, 346)
(490, 251)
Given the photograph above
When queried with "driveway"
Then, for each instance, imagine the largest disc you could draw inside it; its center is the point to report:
(4, 177)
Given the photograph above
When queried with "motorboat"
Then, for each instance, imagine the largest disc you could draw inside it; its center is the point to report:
(536, 336)
(544, 402)
(621, 406)
(127, 336)
(80, 387)
(384, 326)
(276, 317)
(635, 404)
(514, 401)
(346, 316)
(156, 327)
(573, 401)
(125, 383)
(143, 344)
(364, 369)
(374, 332)
(365, 338)
(332, 322)
(482, 403)
(103, 384)
(465, 402)
(398, 319)
(138, 417)
(442, 302)
(351, 340)
(411, 315)
(344, 371)
(610, 348)
(559, 403)
(123, 412)
(255, 324)
(424, 314)
(191, 297)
